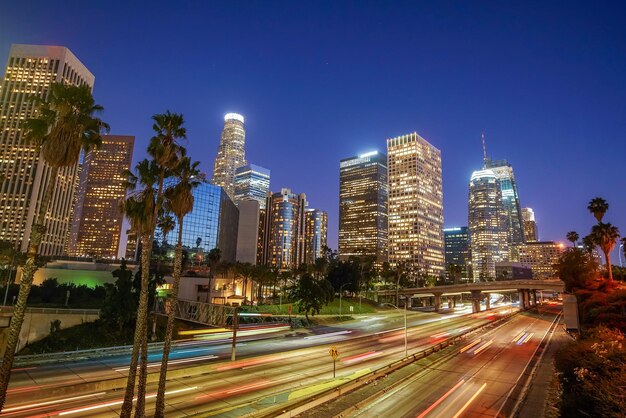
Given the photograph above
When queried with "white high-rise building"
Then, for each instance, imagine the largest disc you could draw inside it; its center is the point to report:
(531, 233)
(29, 72)
(231, 153)
(415, 205)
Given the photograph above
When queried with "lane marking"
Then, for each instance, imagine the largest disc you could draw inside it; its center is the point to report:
(470, 400)
(441, 399)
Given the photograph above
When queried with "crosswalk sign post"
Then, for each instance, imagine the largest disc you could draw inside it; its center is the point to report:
(334, 354)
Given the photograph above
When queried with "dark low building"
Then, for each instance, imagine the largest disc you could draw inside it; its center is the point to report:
(507, 270)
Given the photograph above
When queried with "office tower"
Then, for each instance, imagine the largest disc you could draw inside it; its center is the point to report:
(248, 231)
(415, 205)
(531, 233)
(457, 243)
(540, 255)
(252, 183)
(487, 224)
(29, 72)
(284, 230)
(316, 231)
(363, 206)
(213, 223)
(97, 221)
(231, 153)
(510, 199)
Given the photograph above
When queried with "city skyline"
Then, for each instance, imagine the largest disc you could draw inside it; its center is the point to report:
(344, 134)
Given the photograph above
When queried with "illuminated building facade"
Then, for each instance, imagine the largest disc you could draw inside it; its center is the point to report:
(96, 218)
(213, 223)
(510, 199)
(29, 72)
(252, 183)
(230, 154)
(132, 246)
(363, 206)
(284, 232)
(487, 225)
(457, 243)
(415, 205)
(531, 233)
(316, 231)
(540, 255)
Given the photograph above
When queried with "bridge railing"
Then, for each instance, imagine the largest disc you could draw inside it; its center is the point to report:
(54, 311)
(200, 312)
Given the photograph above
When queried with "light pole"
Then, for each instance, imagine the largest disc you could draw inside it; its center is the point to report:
(619, 253)
(405, 328)
(340, 291)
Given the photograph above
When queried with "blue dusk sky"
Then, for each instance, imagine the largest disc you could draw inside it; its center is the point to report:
(321, 81)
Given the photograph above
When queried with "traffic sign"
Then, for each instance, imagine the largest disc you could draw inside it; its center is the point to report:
(333, 352)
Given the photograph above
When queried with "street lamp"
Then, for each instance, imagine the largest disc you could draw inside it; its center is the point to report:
(619, 253)
(405, 328)
(340, 289)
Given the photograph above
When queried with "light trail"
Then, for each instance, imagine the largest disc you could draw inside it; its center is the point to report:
(172, 362)
(441, 399)
(470, 401)
(36, 405)
(483, 347)
(470, 345)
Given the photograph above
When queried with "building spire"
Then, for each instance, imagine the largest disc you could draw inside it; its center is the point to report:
(482, 136)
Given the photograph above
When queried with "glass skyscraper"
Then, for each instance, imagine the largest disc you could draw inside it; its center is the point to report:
(212, 223)
(487, 220)
(363, 206)
(252, 182)
(231, 153)
(531, 233)
(24, 176)
(510, 199)
(415, 205)
(96, 218)
(284, 231)
(316, 234)
(457, 242)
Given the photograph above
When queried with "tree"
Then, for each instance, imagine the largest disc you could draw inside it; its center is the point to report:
(119, 305)
(311, 295)
(572, 236)
(576, 268)
(180, 202)
(588, 244)
(165, 153)
(65, 124)
(598, 208)
(605, 236)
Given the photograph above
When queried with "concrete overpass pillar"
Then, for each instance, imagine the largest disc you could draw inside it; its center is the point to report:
(450, 302)
(437, 302)
(534, 297)
(522, 300)
(476, 295)
(487, 301)
(408, 302)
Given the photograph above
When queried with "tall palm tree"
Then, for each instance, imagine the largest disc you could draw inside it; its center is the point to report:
(588, 243)
(572, 236)
(214, 259)
(65, 124)
(605, 236)
(598, 207)
(138, 208)
(165, 152)
(180, 202)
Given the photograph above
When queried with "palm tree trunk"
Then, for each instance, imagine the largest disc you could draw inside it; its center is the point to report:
(127, 405)
(38, 230)
(607, 256)
(160, 400)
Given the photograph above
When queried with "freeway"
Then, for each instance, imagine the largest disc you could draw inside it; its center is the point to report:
(475, 381)
(267, 372)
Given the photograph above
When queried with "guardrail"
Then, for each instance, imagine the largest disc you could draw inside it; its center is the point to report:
(57, 311)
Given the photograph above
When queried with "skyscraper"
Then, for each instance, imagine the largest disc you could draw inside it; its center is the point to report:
(487, 224)
(231, 153)
(531, 233)
(457, 242)
(363, 206)
(212, 223)
(248, 231)
(316, 231)
(540, 255)
(30, 71)
(284, 232)
(252, 182)
(510, 199)
(97, 220)
(415, 205)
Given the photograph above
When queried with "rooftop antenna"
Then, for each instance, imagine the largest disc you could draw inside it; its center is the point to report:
(482, 136)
